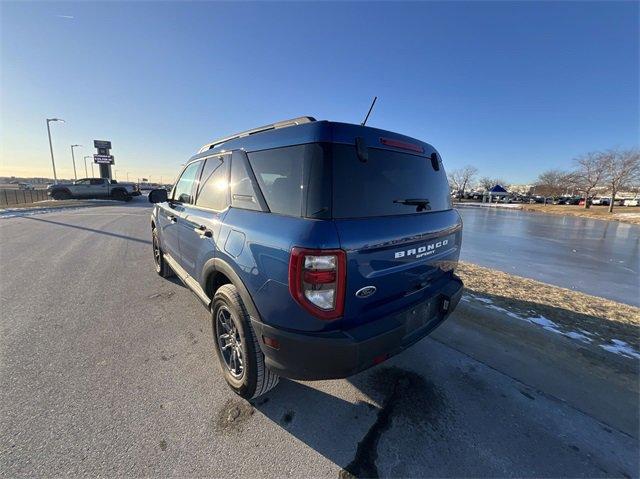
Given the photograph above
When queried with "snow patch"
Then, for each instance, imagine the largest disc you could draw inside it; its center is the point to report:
(617, 346)
(578, 336)
(13, 213)
(488, 205)
(622, 348)
(545, 323)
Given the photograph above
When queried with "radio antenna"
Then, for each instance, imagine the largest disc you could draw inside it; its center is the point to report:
(369, 112)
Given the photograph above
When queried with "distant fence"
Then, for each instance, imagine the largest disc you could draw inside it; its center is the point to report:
(9, 197)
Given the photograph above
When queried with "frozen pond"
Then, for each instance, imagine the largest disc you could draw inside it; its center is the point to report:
(593, 256)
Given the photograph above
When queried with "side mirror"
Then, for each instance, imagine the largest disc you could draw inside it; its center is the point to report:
(158, 196)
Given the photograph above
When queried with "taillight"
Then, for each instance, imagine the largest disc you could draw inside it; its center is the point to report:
(317, 281)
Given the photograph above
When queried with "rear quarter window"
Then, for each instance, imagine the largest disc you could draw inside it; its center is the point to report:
(294, 180)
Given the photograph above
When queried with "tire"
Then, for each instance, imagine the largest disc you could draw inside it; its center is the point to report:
(61, 195)
(162, 268)
(253, 378)
(119, 195)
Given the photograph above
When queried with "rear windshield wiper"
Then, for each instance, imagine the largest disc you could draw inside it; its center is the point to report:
(421, 203)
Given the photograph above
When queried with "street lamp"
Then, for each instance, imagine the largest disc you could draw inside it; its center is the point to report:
(53, 162)
(86, 172)
(74, 161)
(127, 176)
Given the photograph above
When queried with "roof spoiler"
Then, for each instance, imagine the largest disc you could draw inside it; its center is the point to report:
(273, 126)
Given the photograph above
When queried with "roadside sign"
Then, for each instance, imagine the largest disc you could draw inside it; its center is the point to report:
(102, 144)
(103, 159)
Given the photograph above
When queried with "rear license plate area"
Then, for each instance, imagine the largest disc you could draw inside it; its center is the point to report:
(418, 317)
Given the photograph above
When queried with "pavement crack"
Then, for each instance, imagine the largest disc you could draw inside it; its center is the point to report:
(364, 462)
(406, 394)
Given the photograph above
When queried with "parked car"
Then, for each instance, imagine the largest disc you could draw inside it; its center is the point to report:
(94, 188)
(632, 202)
(305, 274)
(25, 186)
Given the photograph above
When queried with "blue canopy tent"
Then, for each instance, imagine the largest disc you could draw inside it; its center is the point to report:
(496, 192)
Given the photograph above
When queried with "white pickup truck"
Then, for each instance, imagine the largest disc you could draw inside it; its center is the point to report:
(94, 188)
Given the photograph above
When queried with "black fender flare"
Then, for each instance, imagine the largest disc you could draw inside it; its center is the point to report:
(215, 265)
(113, 190)
(60, 189)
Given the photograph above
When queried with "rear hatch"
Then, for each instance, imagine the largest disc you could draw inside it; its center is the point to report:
(393, 214)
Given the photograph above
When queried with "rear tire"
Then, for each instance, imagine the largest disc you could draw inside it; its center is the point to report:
(253, 378)
(162, 268)
(61, 195)
(119, 195)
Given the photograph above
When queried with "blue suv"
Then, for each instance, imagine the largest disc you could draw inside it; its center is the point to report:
(320, 248)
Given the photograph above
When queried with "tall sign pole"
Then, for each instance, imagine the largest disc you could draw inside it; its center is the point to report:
(103, 158)
(73, 158)
(53, 162)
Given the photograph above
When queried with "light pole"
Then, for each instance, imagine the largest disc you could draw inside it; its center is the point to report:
(86, 172)
(127, 176)
(74, 161)
(53, 162)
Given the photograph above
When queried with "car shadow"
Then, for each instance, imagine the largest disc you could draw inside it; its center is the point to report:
(84, 228)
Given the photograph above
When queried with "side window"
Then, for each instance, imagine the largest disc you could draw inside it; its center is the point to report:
(244, 194)
(214, 184)
(97, 182)
(82, 182)
(184, 187)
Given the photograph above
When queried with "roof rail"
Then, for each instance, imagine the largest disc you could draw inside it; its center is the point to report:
(273, 126)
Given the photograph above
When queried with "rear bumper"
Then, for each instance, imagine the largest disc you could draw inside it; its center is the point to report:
(340, 354)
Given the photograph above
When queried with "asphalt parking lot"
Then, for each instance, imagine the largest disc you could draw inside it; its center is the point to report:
(108, 369)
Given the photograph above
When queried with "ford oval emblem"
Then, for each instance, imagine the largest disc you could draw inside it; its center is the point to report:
(366, 291)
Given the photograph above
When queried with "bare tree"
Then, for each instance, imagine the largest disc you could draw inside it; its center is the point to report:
(622, 170)
(454, 180)
(589, 173)
(552, 183)
(487, 183)
(461, 177)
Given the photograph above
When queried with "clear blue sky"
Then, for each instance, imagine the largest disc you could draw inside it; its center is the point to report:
(512, 88)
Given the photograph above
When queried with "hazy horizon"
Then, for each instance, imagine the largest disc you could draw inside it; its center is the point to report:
(513, 88)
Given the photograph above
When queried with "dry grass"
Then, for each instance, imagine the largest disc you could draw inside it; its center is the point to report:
(620, 213)
(571, 309)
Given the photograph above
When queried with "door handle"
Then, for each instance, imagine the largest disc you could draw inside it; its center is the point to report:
(172, 218)
(203, 231)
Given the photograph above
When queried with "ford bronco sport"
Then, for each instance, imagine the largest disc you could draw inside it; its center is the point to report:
(320, 248)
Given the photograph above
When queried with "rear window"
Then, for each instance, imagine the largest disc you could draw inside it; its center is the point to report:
(388, 183)
(322, 180)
